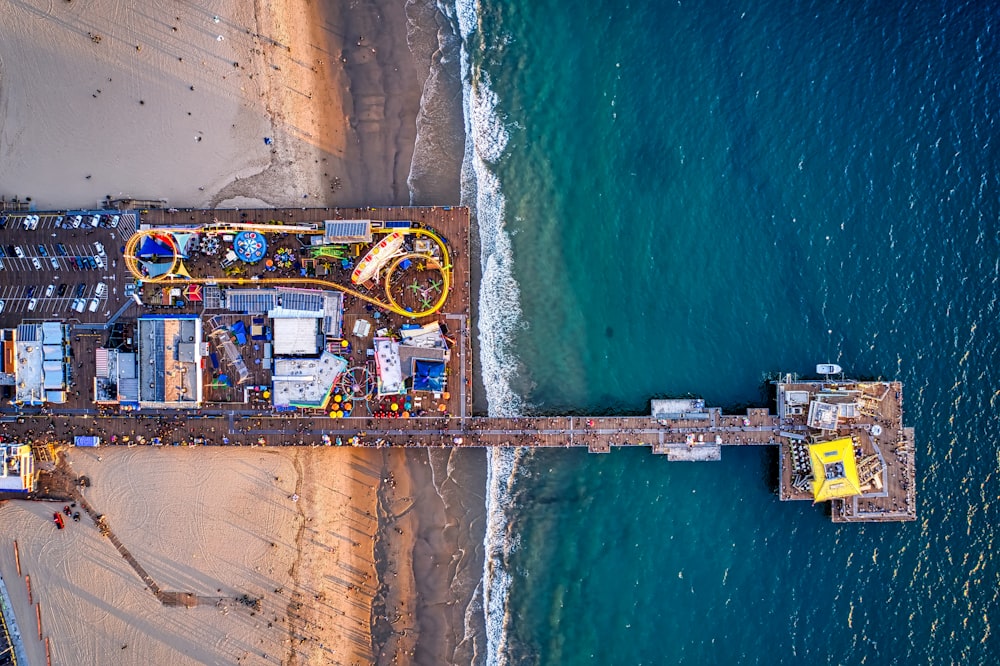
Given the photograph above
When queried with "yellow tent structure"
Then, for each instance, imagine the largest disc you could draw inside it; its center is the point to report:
(181, 269)
(835, 469)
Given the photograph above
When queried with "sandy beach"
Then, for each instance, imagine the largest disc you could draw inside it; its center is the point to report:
(276, 544)
(224, 103)
(175, 101)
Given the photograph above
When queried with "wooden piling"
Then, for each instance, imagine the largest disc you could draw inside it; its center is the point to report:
(17, 558)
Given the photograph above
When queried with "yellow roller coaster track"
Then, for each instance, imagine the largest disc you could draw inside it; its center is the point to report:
(442, 265)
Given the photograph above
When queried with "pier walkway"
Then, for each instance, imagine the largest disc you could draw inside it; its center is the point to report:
(869, 413)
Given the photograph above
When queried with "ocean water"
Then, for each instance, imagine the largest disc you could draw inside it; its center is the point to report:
(684, 198)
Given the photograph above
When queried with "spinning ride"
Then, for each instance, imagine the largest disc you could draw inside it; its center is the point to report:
(250, 246)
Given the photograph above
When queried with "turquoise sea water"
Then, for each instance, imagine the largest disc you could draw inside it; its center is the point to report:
(683, 197)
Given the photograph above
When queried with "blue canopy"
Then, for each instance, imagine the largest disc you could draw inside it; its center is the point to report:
(428, 375)
(152, 248)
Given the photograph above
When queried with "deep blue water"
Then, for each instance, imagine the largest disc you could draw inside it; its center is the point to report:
(684, 197)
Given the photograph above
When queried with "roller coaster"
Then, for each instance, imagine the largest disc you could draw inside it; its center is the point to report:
(177, 274)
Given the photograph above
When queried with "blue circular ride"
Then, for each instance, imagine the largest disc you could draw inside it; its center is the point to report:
(250, 246)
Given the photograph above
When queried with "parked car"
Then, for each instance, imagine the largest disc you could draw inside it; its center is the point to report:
(100, 262)
(32, 304)
(102, 288)
(61, 250)
(79, 304)
(51, 289)
(77, 220)
(62, 290)
(100, 249)
(31, 292)
(54, 262)
(93, 305)
(95, 220)
(1, 306)
(18, 251)
(36, 263)
(114, 221)
(42, 251)
(80, 288)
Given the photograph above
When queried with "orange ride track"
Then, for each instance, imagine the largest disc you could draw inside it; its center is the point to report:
(169, 278)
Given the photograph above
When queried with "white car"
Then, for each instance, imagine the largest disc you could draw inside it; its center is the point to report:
(54, 262)
(37, 264)
(79, 304)
(115, 219)
(93, 305)
(19, 252)
(32, 304)
(51, 289)
(100, 262)
(102, 288)
(1, 306)
(77, 221)
(100, 248)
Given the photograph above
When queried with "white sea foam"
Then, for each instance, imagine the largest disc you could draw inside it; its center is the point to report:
(499, 318)
(499, 543)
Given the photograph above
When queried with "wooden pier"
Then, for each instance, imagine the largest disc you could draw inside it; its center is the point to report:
(699, 436)
(807, 412)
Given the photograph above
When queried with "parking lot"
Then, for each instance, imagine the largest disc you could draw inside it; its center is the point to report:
(62, 265)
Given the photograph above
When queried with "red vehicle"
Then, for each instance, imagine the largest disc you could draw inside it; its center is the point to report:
(57, 517)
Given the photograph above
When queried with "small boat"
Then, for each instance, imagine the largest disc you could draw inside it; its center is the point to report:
(828, 369)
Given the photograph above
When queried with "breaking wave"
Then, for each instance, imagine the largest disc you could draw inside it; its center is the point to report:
(499, 318)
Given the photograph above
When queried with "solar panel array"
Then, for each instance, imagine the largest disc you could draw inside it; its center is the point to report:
(297, 300)
(251, 301)
(348, 230)
(29, 332)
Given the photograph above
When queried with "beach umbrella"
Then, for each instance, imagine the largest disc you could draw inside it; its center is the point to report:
(338, 398)
(394, 407)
